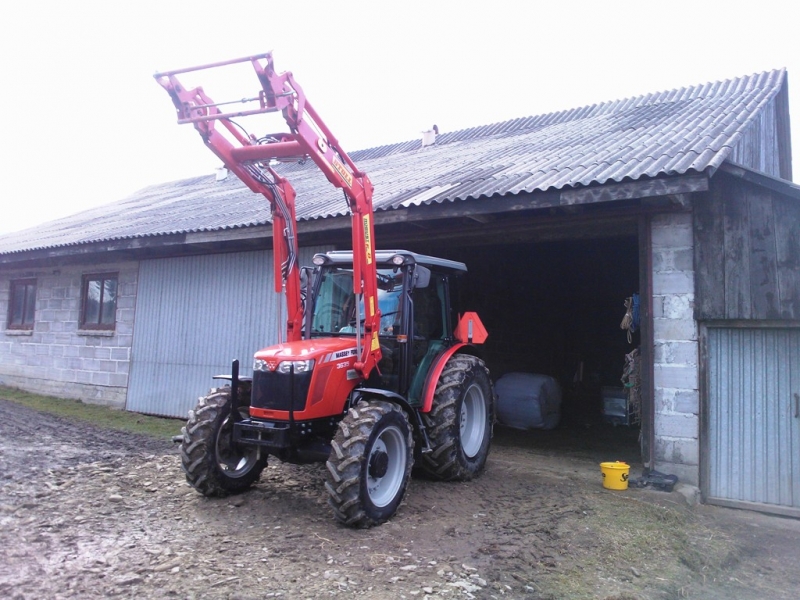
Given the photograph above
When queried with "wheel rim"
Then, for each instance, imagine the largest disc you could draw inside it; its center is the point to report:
(473, 421)
(233, 460)
(386, 466)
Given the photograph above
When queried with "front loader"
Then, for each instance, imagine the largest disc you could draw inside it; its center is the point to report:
(377, 373)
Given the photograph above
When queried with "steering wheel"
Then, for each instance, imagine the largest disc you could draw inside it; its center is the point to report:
(335, 311)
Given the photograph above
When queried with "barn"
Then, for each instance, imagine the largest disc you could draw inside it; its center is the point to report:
(679, 202)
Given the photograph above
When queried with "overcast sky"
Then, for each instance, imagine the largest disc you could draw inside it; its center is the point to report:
(84, 122)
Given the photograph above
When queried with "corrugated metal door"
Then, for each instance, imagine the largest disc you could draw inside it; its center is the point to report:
(753, 418)
(194, 315)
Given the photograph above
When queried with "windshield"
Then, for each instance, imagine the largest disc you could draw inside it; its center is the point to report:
(335, 308)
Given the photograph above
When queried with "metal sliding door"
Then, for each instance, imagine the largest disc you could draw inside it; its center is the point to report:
(752, 418)
(193, 316)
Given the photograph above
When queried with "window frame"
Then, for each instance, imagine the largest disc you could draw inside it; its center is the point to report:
(13, 284)
(102, 278)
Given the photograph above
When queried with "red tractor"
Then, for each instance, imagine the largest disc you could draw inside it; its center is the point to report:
(378, 372)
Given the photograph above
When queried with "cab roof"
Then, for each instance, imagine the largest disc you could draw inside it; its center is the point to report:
(384, 257)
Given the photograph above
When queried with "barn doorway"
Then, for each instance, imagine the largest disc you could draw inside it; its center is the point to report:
(555, 308)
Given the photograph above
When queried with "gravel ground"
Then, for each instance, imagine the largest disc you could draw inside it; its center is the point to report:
(92, 513)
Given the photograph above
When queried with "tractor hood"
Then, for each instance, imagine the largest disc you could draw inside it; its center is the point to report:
(320, 350)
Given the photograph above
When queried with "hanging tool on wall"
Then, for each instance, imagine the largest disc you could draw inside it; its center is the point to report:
(630, 321)
(631, 381)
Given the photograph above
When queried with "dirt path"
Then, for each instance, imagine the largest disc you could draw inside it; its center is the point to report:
(91, 513)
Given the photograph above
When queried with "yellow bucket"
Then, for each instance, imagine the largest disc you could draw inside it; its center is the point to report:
(615, 475)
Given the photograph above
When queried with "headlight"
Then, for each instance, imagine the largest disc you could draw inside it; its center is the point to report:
(260, 365)
(300, 366)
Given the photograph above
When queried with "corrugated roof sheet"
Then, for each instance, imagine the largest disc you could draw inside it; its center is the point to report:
(671, 132)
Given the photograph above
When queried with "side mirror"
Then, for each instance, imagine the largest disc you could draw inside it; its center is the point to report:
(422, 277)
(306, 275)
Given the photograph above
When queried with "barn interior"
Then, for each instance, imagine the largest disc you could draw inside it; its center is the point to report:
(553, 302)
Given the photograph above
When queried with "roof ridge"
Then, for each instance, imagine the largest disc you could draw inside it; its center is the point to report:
(700, 90)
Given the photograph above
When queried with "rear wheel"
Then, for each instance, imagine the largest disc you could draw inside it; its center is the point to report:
(370, 463)
(214, 466)
(460, 421)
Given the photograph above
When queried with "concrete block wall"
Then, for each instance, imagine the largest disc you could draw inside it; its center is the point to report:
(59, 359)
(676, 349)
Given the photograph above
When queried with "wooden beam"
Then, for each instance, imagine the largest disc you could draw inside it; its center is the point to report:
(764, 289)
(483, 218)
(514, 229)
(647, 336)
(787, 243)
(773, 183)
(736, 253)
(709, 254)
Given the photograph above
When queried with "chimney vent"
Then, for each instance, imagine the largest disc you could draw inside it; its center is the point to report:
(429, 136)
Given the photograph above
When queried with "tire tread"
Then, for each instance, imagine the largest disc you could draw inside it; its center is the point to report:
(345, 463)
(446, 462)
(198, 448)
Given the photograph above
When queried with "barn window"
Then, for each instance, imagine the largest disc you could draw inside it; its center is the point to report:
(99, 300)
(21, 304)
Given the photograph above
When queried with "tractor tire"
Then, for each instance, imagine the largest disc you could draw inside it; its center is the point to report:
(370, 463)
(460, 421)
(213, 467)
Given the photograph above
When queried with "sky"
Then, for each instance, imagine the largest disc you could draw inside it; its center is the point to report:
(85, 124)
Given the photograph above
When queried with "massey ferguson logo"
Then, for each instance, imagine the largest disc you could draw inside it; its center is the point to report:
(272, 365)
(340, 354)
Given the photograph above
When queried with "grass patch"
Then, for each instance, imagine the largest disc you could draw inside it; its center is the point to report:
(639, 547)
(644, 534)
(101, 416)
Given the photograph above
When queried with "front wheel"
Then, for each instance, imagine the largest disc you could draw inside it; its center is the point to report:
(460, 421)
(370, 463)
(213, 465)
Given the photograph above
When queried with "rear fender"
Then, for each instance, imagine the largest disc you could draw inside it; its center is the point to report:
(436, 370)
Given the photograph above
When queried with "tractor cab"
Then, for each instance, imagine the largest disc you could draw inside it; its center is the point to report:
(416, 320)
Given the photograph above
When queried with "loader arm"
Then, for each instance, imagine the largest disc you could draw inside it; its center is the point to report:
(250, 159)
